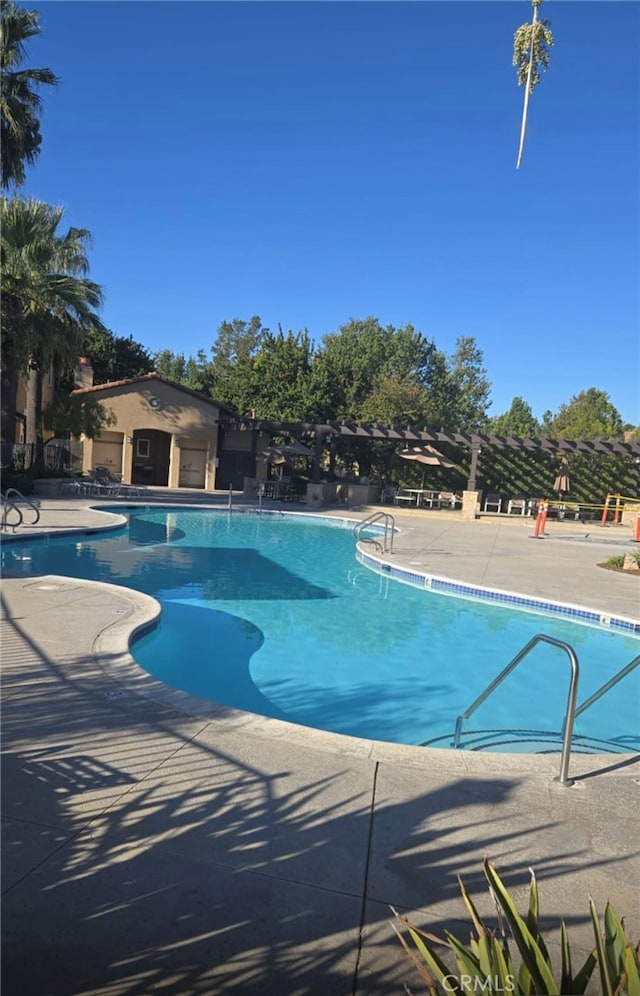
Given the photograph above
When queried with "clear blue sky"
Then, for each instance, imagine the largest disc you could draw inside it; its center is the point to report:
(313, 162)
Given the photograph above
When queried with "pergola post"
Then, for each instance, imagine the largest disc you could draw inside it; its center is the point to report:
(476, 449)
(317, 458)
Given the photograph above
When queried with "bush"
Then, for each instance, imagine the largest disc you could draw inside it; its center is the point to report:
(18, 478)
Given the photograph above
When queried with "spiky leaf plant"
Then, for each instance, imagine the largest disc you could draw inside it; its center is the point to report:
(486, 964)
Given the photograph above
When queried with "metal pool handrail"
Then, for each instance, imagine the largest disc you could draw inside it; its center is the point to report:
(8, 505)
(389, 525)
(562, 778)
(622, 673)
(14, 491)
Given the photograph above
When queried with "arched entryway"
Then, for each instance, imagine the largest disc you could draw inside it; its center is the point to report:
(151, 448)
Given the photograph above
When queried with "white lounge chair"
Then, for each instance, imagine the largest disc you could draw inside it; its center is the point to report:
(517, 505)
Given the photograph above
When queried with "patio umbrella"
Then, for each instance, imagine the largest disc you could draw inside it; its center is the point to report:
(281, 454)
(428, 455)
(562, 484)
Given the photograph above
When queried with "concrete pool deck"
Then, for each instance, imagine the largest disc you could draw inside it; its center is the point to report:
(148, 848)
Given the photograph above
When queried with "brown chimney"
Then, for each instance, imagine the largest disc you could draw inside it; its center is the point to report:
(83, 373)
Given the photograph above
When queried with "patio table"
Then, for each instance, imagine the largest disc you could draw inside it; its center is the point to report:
(425, 498)
(405, 495)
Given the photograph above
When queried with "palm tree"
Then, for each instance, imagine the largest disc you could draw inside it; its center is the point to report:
(47, 302)
(531, 44)
(19, 103)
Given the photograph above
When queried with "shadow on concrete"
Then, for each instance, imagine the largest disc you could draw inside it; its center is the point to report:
(142, 855)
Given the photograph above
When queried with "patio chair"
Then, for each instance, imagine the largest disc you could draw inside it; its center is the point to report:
(451, 499)
(129, 490)
(569, 510)
(104, 475)
(388, 494)
(493, 503)
(429, 499)
(74, 487)
(399, 498)
(517, 505)
(105, 483)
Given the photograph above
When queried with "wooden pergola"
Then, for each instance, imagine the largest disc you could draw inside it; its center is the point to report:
(475, 441)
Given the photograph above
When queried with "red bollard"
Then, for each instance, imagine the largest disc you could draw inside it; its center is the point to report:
(616, 511)
(605, 511)
(637, 532)
(545, 509)
(541, 518)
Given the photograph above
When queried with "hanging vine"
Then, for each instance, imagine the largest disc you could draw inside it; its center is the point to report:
(531, 44)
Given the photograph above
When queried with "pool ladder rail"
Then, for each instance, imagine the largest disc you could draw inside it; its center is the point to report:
(389, 528)
(10, 500)
(572, 710)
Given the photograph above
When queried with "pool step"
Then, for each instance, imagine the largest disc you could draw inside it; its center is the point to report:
(528, 742)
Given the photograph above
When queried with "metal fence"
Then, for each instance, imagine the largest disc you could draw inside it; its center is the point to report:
(59, 454)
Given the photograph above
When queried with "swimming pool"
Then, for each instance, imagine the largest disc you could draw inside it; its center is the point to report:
(274, 615)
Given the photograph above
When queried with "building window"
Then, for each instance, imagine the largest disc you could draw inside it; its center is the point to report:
(143, 448)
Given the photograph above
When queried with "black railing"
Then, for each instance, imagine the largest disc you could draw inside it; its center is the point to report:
(21, 456)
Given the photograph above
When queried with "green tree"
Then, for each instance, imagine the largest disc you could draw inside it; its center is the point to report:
(196, 374)
(115, 357)
(591, 415)
(531, 44)
(47, 302)
(75, 415)
(366, 372)
(588, 415)
(517, 421)
(231, 371)
(190, 371)
(170, 365)
(361, 356)
(20, 103)
(392, 402)
(460, 389)
(283, 387)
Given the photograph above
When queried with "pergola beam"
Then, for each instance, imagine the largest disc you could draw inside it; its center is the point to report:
(372, 431)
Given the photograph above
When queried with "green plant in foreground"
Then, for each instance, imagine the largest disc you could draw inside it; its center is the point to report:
(616, 561)
(619, 558)
(486, 965)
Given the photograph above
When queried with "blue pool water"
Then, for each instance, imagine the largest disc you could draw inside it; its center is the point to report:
(274, 615)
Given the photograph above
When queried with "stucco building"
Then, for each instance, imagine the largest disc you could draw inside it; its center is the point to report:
(164, 434)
